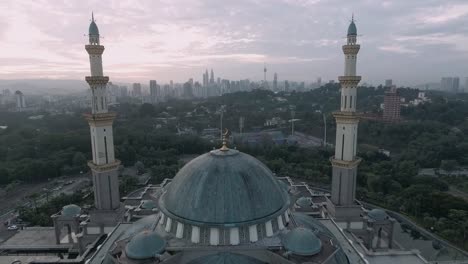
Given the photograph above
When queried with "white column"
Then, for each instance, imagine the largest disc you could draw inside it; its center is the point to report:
(214, 236)
(286, 215)
(234, 236)
(168, 224)
(195, 234)
(180, 230)
(253, 233)
(161, 221)
(269, 229)
(280, 222)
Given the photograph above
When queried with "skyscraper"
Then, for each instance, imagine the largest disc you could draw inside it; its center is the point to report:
(391, 111)
(450, 84)
(389, 83)
(136, 91)
(345, 162)
(275, 82)
(20, 101)
(154, 91)
(212, 80)
(265, 85)
(104, 166)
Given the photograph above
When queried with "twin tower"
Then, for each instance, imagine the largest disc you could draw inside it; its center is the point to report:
(104, 166)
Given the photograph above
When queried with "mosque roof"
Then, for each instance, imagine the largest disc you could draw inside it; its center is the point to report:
(226, 258)
(302, 241)
(224, 187)
(71, 210)
(145, 245)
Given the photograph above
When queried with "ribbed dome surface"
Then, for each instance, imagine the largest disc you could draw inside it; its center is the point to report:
(226, 258)
(71, 210)
(224, 188)
(93, 29)
(352, 30)
(145, 245)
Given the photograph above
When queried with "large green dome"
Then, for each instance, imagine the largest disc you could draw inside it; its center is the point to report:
(226, 258)
(224, 188)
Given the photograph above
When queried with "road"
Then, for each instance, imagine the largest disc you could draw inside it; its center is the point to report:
(9, 213)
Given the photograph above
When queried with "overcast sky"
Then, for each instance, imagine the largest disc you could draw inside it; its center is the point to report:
(410, 41)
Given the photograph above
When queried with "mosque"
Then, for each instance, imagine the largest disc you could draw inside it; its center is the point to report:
(224, 206)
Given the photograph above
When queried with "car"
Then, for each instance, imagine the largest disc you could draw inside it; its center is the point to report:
(13, 227)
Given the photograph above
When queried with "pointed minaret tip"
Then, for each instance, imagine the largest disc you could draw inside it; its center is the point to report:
(92, 16)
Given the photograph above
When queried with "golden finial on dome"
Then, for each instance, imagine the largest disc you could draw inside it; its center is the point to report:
(225, 135)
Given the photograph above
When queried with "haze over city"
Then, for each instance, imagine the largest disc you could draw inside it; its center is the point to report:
(177, 40)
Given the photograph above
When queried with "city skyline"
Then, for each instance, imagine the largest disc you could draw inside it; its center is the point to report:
(178, 40)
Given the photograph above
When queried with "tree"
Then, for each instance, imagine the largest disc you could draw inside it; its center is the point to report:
(140, 167)
(448, 165)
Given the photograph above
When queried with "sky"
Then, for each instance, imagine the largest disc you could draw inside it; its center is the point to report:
(411, 42)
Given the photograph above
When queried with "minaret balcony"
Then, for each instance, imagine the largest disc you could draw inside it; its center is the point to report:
(94, 49)
(97, 80)
(345, 163)
(346, 117)
(104, 167)
(351, 49)
(100, 118)
(349, 81)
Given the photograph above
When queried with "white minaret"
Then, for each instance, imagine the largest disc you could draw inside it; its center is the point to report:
(345, 162)
(104, 165)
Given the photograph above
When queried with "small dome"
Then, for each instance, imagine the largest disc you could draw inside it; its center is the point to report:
(145, 245)
(304, 202)
(226, 258)
(377, 214)
(302, 241)
(71, 210)
(224, 187)
(148, 204)
(146, 223)
(352, 30)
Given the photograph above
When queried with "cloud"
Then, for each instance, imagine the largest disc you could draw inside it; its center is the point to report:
(178, 39)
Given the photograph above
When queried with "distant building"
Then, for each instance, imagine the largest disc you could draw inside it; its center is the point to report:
(389, 83)
(450, 84)
(319, 82)
(188, 90)
(275, 82)
(212, 79)
(20, 101)
(123, 91)
(286, 86)
(466, 85)
(392, 106)
(136, 92)
(155, 91)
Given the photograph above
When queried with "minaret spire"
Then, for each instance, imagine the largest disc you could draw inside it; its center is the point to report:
(92, 16)
(345, 162)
